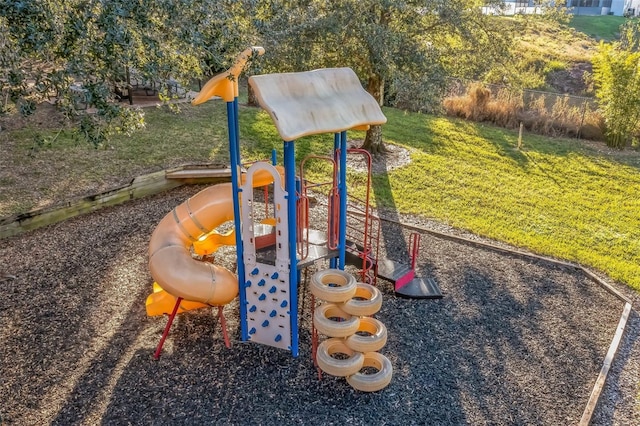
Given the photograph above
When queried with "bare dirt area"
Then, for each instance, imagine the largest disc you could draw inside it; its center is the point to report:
(571, 81)
(513, 341)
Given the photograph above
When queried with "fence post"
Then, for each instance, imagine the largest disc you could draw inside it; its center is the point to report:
(584, 112)
(520, 136)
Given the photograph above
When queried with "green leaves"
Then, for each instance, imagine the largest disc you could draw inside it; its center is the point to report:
(406, 47)
(46, 46)
(617, 76)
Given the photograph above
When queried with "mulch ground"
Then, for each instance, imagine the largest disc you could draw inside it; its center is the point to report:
(513, 341)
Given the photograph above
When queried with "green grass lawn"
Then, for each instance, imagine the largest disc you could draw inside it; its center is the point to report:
(599, 27)
(556, 197)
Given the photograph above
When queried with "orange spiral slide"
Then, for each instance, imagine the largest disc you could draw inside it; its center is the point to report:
(193, 224)
(175, 271)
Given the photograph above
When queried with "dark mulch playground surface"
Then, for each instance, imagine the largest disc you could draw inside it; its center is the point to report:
(512, 342)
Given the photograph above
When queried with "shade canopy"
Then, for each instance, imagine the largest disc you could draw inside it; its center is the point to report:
(327, 100)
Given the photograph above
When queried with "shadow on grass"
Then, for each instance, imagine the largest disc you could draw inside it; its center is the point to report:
(438, 134)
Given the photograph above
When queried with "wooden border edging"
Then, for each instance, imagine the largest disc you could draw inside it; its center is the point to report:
(617, 338)
(141, 186)
(608, 360)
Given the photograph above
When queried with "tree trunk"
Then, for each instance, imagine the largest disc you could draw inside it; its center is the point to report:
(251, 97)
(373, 140)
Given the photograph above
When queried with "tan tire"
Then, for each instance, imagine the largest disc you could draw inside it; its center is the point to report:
(376, 381)
(338, 367)
(372, 337)
(332, 321)
(366, 301)
(333, 285)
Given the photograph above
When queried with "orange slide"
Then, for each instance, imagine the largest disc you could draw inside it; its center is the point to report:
(176, 272)
(190, 225)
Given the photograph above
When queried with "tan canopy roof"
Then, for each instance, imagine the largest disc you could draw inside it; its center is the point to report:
(322, 101)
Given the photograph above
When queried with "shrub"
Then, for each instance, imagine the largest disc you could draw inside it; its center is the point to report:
(616, 72)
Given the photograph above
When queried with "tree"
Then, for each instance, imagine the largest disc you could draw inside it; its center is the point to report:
(384, 41)
(62, 48)
(616, 73)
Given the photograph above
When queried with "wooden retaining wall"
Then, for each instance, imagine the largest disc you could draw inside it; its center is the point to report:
(141, 186)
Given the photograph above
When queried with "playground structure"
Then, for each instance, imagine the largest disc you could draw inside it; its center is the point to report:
(273, 243)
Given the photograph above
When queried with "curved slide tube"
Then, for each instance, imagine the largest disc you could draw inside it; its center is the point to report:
(170, 261)
(176, 272)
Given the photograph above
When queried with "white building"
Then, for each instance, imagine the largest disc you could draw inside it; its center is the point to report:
(577, 7)
(605, 7)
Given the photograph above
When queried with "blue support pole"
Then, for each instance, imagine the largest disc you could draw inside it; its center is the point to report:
(290, 187)
(342, 187)
(234, 153)
(333, 262)
(237, 127)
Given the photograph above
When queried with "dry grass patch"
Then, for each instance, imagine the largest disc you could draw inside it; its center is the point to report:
(547, 115)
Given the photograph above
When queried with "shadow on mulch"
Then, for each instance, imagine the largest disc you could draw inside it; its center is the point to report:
(512, 342)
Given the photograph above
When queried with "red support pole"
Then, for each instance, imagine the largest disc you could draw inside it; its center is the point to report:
(415, 248)
(314, 338)
(156, 355)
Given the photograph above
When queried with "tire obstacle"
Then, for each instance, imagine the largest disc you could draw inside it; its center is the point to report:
(354, 337)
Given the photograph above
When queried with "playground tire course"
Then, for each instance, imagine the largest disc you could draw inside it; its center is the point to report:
(351, 330)
(372, 382)
(366, 301)
(372, 339)
(333, 285)
(338, 367)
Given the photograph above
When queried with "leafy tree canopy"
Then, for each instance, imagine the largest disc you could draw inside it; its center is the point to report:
(49, 49)
(410, 44)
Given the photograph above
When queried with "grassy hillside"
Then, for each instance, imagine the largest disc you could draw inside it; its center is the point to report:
(539, 49)
(544, 51)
